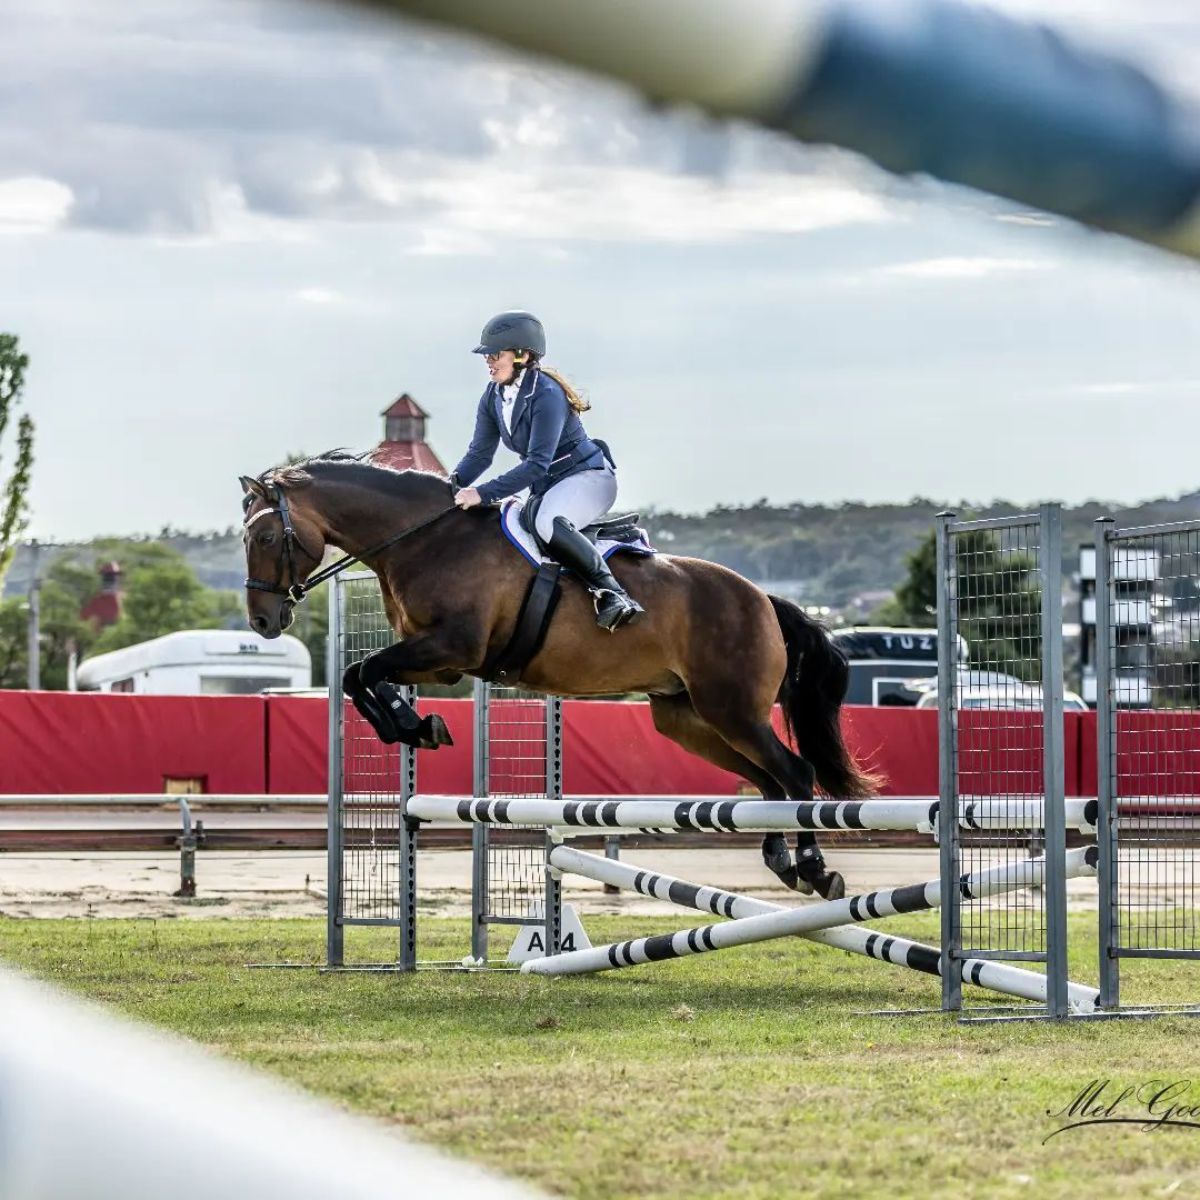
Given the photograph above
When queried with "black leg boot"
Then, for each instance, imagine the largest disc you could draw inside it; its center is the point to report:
(614, 606)
(812, 874)
(778, 858)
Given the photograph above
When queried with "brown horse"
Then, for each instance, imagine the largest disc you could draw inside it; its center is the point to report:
(713, 652)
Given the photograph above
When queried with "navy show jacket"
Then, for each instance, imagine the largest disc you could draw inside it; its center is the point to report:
(546, 432)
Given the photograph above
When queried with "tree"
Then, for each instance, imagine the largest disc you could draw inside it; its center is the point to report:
(62, 631)
(312, 628)
(162, 597)
(14, 642)
(999, 605)
(915, 601)
(999, 602)
(14, 507)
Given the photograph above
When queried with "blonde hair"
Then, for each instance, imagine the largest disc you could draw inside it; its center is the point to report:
(574, 399)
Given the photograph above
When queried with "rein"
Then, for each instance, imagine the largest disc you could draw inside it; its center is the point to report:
(296, 591)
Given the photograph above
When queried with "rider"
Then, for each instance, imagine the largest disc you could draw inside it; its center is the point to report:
(535, 412)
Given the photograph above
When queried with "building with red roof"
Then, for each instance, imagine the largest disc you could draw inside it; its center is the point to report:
(404, 446)
(104, 608)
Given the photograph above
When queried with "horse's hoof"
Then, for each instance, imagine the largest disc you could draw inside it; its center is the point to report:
(797, 882)
(432, 733)
(830, 885)
(788, 875)
(813, 877)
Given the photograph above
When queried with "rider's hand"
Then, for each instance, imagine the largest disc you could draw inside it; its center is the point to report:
(467, 498)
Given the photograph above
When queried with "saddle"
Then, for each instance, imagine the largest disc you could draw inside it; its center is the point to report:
(623, 528)
(619, 534)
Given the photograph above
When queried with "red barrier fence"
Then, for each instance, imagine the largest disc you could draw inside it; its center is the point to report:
(64, 742)
(61, 742)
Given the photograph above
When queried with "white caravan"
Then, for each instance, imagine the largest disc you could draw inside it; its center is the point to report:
(200, 662)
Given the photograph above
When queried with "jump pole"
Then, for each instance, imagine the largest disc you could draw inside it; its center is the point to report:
(759, 920)
(733, 816)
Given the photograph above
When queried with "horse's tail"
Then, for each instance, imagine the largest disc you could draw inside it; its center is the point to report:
(811, 695)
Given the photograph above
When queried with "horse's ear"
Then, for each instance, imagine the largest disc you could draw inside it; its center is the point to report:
(251, 485)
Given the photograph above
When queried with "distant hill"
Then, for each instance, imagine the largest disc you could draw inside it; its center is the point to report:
(844, 555)
(217, 558)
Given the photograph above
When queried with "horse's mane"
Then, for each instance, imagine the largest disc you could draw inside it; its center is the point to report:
(341, 466)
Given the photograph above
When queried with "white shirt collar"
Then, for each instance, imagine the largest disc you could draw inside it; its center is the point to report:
(508, 391)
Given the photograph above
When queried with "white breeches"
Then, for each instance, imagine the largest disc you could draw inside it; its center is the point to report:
(581, 499)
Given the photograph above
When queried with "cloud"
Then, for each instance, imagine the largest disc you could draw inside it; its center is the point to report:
(1128, 387)
(192, 118)
(964, 268)
(320, 295)
(456, 204)
(32, 204)
(231, 118)
(1035, 220)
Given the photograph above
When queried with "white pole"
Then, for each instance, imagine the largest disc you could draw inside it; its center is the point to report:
(759, 920)
(722, 814)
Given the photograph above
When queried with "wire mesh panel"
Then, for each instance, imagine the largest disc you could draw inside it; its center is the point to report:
(1148, 700)
(365, 816)
(1000, 693)
(522, 759)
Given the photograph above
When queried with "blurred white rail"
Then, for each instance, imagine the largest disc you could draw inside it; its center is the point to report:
(95, 1108)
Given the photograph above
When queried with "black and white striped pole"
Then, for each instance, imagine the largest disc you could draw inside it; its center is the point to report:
(832, 923)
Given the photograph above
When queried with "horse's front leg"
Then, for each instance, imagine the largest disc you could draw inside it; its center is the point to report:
(372, 686)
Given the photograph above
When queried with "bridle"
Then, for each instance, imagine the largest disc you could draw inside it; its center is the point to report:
(296, 591)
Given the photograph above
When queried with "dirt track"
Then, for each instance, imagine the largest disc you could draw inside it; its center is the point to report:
(292, 883)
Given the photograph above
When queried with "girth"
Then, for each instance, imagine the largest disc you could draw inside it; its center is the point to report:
(533, 622)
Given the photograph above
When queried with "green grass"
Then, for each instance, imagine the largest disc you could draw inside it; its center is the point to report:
(744, 1073)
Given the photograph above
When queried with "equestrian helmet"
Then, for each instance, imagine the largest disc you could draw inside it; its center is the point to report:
(512, 331)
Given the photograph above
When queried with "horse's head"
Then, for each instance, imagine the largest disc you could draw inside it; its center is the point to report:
(284, 547)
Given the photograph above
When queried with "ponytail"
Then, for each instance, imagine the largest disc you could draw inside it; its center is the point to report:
(574, 399)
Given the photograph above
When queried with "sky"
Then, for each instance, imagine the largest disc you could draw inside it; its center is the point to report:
(234, 230)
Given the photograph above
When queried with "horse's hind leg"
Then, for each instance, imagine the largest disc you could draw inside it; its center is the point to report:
(754, 740)
(676, 718)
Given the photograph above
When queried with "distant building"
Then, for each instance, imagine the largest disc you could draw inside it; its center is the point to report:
(1134, 576)
(104, 608)
(404, 446)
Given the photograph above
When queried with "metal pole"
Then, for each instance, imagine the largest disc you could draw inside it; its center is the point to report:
(334, 931)
(34, 664)
(480, 766)
(554, 791)
(1053, 760)
(1106, 748)
(612, 851)
(188, 838)
(947, 626)
(406, 901)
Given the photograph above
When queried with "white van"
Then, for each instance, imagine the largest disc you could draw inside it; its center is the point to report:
(200, 662)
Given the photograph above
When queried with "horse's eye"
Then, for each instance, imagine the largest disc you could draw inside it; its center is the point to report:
(266, 538)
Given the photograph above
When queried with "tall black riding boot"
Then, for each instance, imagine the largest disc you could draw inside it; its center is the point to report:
(614, 606)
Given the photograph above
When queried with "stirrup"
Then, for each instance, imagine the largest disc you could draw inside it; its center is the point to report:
(610, 615)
